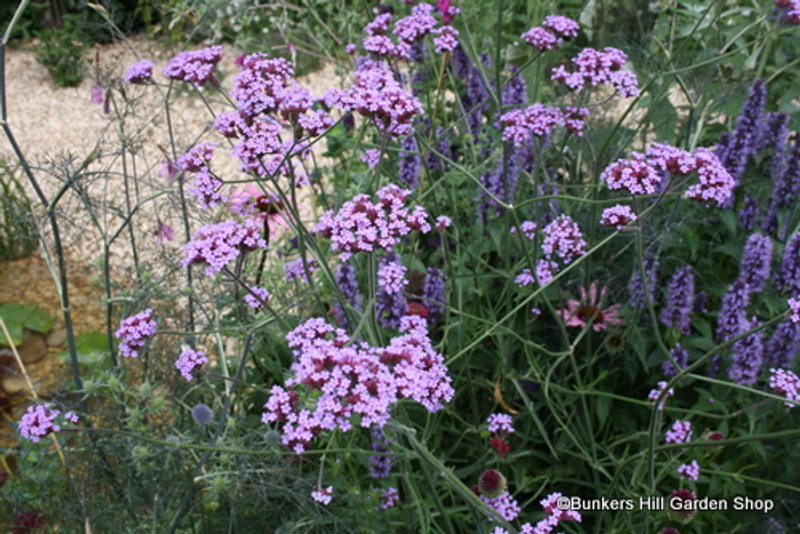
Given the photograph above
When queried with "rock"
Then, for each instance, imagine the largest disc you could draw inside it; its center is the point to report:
(33, 348)
(14, 384)
(57, 337)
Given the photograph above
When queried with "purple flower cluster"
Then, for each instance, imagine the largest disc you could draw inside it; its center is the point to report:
(354, 380)
(504, 504)
(380, 465)
(40, 420)
(781, 348)
(681, 432)
(689, 471)
(188, 361)
(392, 277)
(266, 95)
(785, 383)
(680, 300)
(371, 157)
(296, 269)
(140, 72)
(500, 422)
(362, 225)
(756, 262)
(554, 514)
(787, 278)
(377, 95)
(323, 496)
(256, 297)
(219, 244)
(618, 216)
(528, 229)
(390, 301)
(539, 120)
(551, 33)
(417, 25)
(654, 394)
(446, 39)
(640, 174)
(206, 186)
(409, 163)
(194, 66)
(794, 305)
(388, 499)
(134, 332)
(433, 294)
(638, 299)
(564, 238)
(595, 68)
(732, 314)
(747, 355)
(681, 357)
(348, 284)
(736, 148)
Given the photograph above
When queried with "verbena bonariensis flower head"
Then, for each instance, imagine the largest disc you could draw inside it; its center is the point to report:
(189, 361)
(681, 432)
(323, 496)
(140, 72)
(654, 394)
(500, 423)
(554, 513)
(134, 332)
(680, 300)
(194, 66)
(40, 420)
(716, 183)
(756, 262)
(378, 96)
(446, 39)
(689, 471)
(636, 175)
(588, 310)
(538, 120)
(206, 186)
(504, 504)
(219, 244)
(551, 33)
(597, 68)
(617, 216)
(363, 225)
(563, 237)
(785, 383)
(354, 380)
(747, 355)
(417, 25)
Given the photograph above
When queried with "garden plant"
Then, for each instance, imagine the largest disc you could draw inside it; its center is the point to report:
(532, 267)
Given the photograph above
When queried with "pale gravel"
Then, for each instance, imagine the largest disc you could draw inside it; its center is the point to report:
(55, 125)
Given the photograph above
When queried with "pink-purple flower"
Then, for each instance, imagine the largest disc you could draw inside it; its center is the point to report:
(140, 72)
(323, 495)
(794, 305)
(257, 297)
(219, 244)
(689, 471)
(681, 432)
(189, 361)
(619, 216)
(134, 332)
(655, 393)
(785, 383)
(195, 66)
(500, 422)
(41, 420)
(363, 225)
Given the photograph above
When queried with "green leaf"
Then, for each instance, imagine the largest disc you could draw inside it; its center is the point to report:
(18, 316)
(92, 348)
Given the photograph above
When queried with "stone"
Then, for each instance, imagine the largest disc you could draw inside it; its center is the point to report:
(33, 348)
(57, 337)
